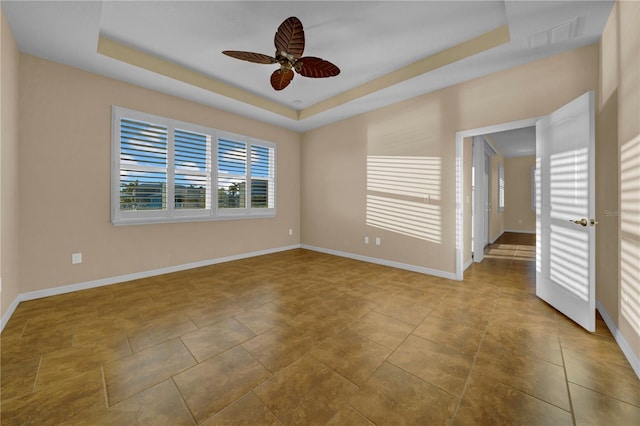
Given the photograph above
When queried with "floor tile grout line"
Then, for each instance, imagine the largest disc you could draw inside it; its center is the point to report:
(263, 403)
(603, 394)
(473, 363)
(564, 368)
(104, 387)
(182, 398)
(420, 378)
(35, 382)
(153, 383)
(411, 333)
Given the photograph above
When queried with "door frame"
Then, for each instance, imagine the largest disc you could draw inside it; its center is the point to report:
(460, 135)
(483, 150)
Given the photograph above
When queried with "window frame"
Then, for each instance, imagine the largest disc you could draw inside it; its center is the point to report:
(171, 214)
(501, 200)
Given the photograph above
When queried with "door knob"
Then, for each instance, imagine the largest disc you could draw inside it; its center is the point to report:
(583, 221)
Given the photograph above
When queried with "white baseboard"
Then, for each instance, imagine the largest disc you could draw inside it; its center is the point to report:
(632, 357)
(384, 262)
(38, 294)
(467, 264)
(520, 231)
(496, 238)
(10, 311)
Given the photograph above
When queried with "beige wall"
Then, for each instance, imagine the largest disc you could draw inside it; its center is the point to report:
(334, 157)
(618, 156)
(496, 217)
(65, 142)
(518, 215)
(9, 59)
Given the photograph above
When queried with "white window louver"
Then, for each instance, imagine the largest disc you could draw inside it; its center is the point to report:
(500, 187)
(170, 171)
(143, 166)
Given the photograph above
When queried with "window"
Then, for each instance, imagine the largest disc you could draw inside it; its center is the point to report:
(243, 165)
(500, 187)
(533, 188)
(169, 171)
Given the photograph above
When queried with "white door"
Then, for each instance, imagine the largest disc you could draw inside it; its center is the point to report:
(479, 189)
(565, 210)
(487, 199)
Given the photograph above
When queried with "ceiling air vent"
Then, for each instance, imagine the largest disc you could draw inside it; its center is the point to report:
(562, 32)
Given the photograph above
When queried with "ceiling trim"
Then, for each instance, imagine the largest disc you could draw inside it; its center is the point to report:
(486, 41)
(133, 56)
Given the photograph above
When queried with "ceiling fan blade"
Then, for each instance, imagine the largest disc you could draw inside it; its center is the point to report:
(258, 58)
(290, 38)
(313, 67)
(281, 78)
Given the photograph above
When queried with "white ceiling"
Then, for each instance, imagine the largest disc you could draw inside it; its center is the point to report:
(515, 143)
(365, 39)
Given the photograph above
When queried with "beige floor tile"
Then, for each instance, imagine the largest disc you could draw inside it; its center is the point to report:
(306, 392)
(211, 313)
(159, 405)
(382, 329)
(19, 378)
(321, 322)
(604, 349)
(300, 337)
(351, 355)
(219, 381)
(609, 379)
(211, 340)
(279, 347)
(68, 362)
(347, 416)
(531, 342)
(393, 396)
(433, 363)
(248, 410)
(404, 310)
(160, 330)
(533, 376)
(17, 349)
(141, 370)
(486, 401)
(66, 402)
(458, 335)
(264, 317)
(593, 408)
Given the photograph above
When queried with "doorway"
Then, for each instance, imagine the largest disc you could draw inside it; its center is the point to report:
(564, 188)
(480, 227)
(482, 194)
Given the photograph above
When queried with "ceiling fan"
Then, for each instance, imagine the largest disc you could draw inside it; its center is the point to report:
(289, 41)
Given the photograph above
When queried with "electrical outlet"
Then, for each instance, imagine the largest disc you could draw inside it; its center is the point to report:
(378, 241)
(290, 231)
(366, 240)
(76, 258)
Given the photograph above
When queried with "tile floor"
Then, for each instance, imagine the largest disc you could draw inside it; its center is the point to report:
(300, 337)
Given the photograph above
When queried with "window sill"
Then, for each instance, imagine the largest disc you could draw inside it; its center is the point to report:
(161, 220)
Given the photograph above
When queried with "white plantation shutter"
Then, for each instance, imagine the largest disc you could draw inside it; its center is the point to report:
(143, 166)
(262, 177)
(500, 187)
(170, 171)
(533, 188)
(232, 174)
(192, 176)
